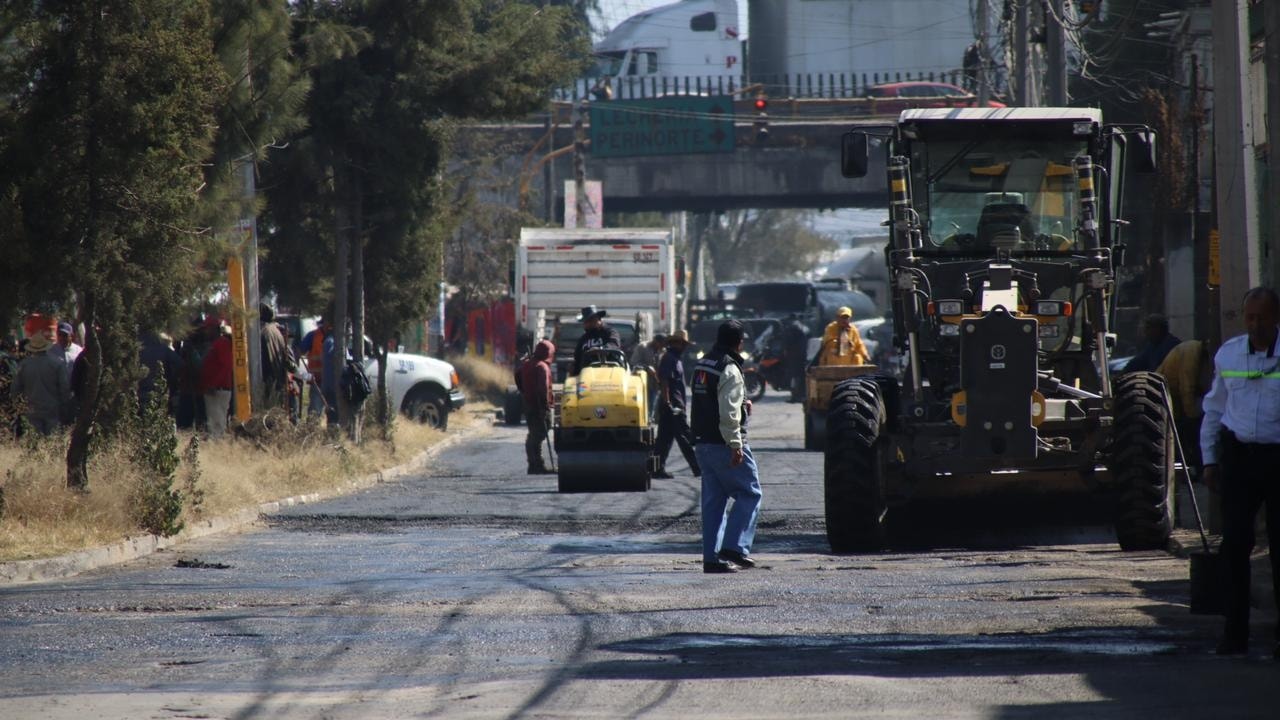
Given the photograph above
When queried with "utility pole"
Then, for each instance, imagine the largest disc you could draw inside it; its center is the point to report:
(1021, 54)
(249, 230)
(1201, 295)
(548, 180)
(1271, 23)
(580, 164)
(1056, 53)
(1234, 177)
(984, 77)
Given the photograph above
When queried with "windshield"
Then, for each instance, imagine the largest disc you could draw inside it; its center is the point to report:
(568, 333)
(997, 193)
(608, 64)
(773, 298)
(704, 333)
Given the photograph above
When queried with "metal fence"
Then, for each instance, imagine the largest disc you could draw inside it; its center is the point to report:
(798, 85)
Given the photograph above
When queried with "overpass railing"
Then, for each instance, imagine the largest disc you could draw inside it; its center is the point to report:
(789, 85)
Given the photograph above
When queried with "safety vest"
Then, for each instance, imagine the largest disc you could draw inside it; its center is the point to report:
(706, 398)
(315, 354)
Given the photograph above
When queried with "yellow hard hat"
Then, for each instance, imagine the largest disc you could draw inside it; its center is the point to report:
(844, 312)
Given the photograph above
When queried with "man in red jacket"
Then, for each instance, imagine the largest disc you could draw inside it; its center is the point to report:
(216, 378)
(534, 380)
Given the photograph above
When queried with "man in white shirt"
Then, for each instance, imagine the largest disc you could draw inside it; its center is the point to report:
(1240, 441)
(66, 348)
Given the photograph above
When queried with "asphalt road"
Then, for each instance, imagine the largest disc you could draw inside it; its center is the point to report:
(475, 591)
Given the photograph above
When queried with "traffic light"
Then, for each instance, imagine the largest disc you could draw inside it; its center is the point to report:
(762, 118)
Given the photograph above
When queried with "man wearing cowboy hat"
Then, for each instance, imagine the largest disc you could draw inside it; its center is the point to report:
(673, 415)
(596, 335)
(842, 343)
(43, 384)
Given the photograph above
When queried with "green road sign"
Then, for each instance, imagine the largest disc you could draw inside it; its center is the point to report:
(675, 125)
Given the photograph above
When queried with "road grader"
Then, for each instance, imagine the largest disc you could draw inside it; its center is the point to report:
(1005, 239)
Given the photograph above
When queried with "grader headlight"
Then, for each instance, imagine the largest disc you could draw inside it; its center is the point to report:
(1053, 308)
(950, 307)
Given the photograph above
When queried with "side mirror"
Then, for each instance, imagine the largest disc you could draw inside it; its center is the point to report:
(853, 154)
(1145, 158)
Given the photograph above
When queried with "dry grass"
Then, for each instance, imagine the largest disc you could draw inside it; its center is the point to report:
(486, 379)
(41, 518)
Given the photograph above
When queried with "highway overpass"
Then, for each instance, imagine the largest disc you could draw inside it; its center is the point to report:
(797, 166)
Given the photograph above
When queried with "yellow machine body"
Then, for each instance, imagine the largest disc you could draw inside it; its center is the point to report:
(603, 439)
(606, 396)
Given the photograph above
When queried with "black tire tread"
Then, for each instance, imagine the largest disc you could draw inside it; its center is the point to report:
(1141, 461)
(428, 394)
(853, 477)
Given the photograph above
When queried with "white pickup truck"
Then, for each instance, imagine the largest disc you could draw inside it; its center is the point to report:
(424, 388)
(421, 387)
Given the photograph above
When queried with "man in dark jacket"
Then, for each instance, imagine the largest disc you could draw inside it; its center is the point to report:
(41, 382)
(795, 351)
(596, 334)
(720, 411)
(276, 359)
(1159, 342)
(673, 423)
(534, 380)
(158, 360)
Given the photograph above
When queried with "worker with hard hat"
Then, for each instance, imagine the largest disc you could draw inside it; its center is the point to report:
(842, 343)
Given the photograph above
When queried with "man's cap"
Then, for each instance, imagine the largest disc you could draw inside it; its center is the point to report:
(659, 337)
(590, 311)
(65, 328)
(844, 312)
(679, 336)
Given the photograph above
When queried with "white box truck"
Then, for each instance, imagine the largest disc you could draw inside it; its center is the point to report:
(628, 272)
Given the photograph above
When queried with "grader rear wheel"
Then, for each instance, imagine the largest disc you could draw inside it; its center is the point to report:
(1142, 462)
(854, 471)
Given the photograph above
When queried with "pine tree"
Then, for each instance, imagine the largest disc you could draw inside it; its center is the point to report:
(389, 82)
(109, 128)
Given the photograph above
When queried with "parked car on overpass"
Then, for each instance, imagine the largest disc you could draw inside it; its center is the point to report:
(893, 98)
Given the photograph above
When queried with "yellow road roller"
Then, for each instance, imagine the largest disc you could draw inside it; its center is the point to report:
(603, 438)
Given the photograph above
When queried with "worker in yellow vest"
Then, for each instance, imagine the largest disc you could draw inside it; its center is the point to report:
(842, 343)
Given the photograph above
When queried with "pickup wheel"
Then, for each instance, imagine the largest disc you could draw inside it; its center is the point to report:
(815, 430)
(429, 406)
(512, 408)
(853, 468)
(1142, 462)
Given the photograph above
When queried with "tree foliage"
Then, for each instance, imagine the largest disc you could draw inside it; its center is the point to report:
(258, 103)
(763, 245)
(389, 82)
(126, 122)
(101, 171)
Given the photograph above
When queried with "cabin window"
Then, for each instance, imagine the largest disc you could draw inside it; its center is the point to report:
(705, 22)
(650, 62)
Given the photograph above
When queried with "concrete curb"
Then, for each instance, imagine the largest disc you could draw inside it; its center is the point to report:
(131, 548)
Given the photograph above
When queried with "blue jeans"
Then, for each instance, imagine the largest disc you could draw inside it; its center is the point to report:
(720, 483)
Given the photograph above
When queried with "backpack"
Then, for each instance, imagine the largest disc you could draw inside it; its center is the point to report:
(354, 383)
